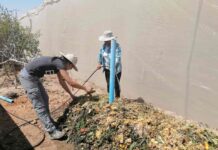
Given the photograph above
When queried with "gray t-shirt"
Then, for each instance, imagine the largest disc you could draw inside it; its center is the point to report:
(45, 65)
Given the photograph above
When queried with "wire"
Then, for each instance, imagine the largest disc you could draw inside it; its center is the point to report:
(28, 122)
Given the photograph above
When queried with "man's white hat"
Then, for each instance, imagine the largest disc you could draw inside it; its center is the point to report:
(70, 57)
(107, 36)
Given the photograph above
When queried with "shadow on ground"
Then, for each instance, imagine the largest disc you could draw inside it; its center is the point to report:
(15, 140)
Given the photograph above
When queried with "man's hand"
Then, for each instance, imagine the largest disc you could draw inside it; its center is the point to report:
(72, 96)
(89, 90)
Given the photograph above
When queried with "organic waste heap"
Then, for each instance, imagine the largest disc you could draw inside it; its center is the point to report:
(94, 124)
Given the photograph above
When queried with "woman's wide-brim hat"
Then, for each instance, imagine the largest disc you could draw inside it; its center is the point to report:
(107, 36)
(71, 58)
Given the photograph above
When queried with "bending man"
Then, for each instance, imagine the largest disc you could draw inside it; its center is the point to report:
(29, 78)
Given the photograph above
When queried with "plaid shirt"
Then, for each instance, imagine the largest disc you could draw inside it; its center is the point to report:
(104, 58)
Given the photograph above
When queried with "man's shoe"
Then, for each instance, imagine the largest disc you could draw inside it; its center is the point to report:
(56, 135)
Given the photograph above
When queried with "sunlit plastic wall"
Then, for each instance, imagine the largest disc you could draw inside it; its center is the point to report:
(156, 37)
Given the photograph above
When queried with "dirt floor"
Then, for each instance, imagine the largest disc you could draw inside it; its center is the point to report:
(28, 134)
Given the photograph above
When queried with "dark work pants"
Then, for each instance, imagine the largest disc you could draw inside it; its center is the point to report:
(117, 82)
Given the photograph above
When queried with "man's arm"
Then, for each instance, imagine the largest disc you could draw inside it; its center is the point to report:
(64, 85)
(65, 76)
(99, 59)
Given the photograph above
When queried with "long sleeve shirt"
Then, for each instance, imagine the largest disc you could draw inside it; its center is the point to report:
(105, 55)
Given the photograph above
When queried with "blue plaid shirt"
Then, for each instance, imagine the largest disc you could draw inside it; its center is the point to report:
(104, 58)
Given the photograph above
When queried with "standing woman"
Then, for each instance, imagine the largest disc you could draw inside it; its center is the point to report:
(104, 60)
(30, 80)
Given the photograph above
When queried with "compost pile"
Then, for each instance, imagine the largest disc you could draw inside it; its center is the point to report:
(92, 123)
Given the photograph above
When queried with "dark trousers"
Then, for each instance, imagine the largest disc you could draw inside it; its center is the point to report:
(117, 82)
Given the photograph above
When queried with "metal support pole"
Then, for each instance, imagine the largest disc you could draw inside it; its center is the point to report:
(112, 71)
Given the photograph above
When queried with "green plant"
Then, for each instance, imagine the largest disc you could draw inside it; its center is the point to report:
(16, 42)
